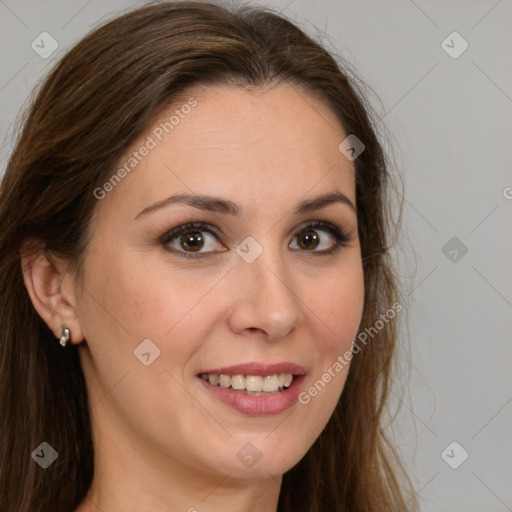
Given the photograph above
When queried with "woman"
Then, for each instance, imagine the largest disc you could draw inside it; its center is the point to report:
(198, 303)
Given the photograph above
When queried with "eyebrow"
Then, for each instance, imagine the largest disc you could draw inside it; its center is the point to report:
(223, 206)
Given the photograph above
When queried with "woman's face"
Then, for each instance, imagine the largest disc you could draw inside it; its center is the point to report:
(262, 280)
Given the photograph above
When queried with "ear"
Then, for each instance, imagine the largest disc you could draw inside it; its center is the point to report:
(52, 290)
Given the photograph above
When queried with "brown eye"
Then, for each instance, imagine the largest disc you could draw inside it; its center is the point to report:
(319, 237)
(192, 241)
(308, 239)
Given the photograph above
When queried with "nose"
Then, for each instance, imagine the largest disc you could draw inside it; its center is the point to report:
(264, 300)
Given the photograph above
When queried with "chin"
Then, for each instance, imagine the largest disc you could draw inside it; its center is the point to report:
(258, 456)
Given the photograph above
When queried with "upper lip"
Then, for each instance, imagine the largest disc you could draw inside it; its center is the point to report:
(258, 369)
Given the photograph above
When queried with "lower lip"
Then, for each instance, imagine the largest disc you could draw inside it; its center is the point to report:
(263, 405)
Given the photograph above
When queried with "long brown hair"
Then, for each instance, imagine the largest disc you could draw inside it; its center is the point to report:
(92, 106)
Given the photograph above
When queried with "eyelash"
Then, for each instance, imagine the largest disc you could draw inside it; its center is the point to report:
(340, 236)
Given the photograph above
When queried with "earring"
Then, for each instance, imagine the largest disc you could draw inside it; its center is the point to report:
(65, 336)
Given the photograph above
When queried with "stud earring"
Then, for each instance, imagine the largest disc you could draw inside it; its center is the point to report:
(65, 336)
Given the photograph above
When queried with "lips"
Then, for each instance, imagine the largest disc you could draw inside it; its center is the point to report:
(227, 384)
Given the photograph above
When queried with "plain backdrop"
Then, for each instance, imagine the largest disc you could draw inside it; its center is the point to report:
(443, 73)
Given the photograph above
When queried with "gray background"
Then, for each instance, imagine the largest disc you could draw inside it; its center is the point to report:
(452, 125)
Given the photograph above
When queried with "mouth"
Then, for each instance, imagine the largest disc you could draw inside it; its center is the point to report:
(255, 388)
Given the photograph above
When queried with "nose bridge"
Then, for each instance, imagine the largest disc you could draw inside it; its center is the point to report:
(265, 298)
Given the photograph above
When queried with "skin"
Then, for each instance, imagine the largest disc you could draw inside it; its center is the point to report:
(162, 442)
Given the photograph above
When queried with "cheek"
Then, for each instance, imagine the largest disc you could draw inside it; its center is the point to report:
(137, 301)
(336, 309)
(141, 295)
(337, 302)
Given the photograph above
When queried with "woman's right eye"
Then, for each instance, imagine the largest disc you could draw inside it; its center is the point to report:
(191, 239)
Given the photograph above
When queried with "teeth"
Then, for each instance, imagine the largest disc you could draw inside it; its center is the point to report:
(271, 382)
(254, 383)
(213, 379)
(251, 384)
(225, 381)
(238, 382)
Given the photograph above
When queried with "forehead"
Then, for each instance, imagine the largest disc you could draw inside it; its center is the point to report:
(225, 140)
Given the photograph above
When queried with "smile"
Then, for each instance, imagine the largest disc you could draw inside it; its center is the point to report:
(255, 389)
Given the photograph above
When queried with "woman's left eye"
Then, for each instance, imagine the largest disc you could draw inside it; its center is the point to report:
(320, 237)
